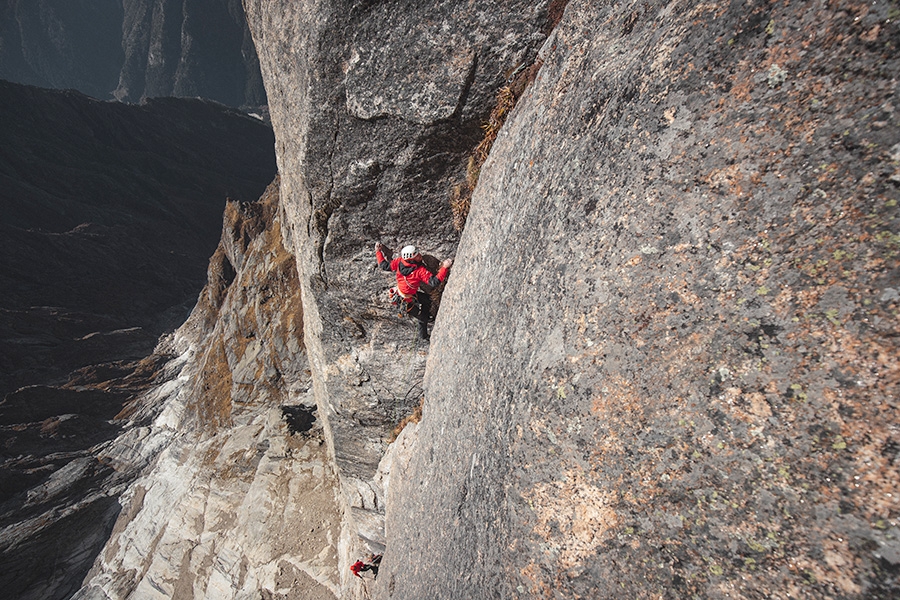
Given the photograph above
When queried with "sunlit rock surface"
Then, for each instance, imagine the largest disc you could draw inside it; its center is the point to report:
(683, 382)
(240, 498)
(665, 363)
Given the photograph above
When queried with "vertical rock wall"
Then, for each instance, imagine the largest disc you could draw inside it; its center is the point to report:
(188, 48)
(682, 381)
(375, 107)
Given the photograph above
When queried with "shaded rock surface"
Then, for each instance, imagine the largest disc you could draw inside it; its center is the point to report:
(132, 49)
(111, 213)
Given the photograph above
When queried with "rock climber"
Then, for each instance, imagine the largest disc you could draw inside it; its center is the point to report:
(372, 565)
(411, 274)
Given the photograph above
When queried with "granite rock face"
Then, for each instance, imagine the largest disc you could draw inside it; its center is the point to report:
(132, 49)
(665, 362)
(375, 108)
(688, 383)
(688, 226)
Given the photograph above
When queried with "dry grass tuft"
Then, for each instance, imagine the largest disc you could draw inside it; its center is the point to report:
(461, 194)
(415, 417)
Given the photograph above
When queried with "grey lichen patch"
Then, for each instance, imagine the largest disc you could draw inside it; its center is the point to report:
(776, 76)
(423, 81)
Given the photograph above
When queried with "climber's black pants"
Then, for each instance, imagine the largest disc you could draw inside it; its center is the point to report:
(422, 307)
(421, 310)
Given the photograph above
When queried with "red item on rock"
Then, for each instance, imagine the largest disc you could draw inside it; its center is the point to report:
(355, 567)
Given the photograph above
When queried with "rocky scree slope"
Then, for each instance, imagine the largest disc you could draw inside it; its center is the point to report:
(375, 108)
(132, 49)
(240, 496)
(684, 379)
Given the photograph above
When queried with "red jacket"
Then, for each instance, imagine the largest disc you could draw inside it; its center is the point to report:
(410, 274)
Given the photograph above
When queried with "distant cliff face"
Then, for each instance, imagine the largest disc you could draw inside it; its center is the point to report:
(60, 44)
(189, 48)
(133, 49)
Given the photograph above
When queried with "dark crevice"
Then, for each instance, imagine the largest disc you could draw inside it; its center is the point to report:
(299, 419)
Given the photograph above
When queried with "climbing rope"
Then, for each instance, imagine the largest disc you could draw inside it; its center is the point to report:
(408, 377)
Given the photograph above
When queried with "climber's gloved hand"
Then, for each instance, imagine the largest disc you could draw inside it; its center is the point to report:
(378, 246)
(447, 263)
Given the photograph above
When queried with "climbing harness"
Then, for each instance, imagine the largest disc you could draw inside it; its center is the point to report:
(402, 304)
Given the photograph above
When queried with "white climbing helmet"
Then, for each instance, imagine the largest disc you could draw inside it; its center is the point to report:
(408, 252)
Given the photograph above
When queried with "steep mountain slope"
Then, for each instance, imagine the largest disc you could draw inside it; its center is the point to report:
(110, 215)
(132, 49)
(241, 497)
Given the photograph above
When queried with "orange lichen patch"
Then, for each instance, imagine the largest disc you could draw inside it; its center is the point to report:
(573, 516)
(634, 260)
(837, 567)
(758, 405)
(680, 286)
(740, 90)
(213, 402)
(537, 587)
(618, 398)
(748, 408)
(729, 177)
(781, 55)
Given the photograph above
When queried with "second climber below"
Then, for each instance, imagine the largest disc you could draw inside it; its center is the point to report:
(411, 274)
